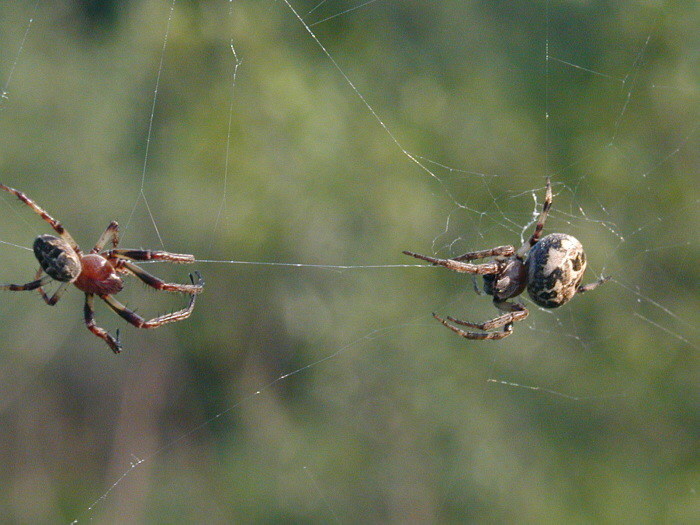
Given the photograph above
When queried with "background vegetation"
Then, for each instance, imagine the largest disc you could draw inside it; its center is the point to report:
(387, 416)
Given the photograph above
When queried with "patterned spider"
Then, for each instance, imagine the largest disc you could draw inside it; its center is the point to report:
(97, 273)
(551, 268)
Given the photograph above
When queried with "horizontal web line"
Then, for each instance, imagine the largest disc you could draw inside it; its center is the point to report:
(323, 266)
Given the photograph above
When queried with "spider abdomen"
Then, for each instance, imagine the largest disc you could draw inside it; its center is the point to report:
(98, 276)
(556, 264)
(57, 258)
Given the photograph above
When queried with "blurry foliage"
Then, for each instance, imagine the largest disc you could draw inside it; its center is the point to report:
(394, 419)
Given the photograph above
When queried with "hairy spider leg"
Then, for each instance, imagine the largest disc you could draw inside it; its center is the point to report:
(159, 284)
(502, 251)
(139, 322)
(514, 312)
(540, 222)
(150, 255)
(57, 294)
(593, 286)
(458, 266)
(56, 225)
(38, 283)
(111, 234)
(89, 312)
(507, 330)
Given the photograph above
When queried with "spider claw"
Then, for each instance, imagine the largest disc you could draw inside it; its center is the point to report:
(117, 345)
(200, 279)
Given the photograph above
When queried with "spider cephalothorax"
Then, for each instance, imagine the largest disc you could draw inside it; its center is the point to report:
(99, 273)
(551, 268)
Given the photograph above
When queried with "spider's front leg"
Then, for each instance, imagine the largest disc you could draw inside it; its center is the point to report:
(111, 234)
(540, 221)
(459, 266)
(593, 285)
(498, 251)
(56, 225)
(150, 255)
(89, 312)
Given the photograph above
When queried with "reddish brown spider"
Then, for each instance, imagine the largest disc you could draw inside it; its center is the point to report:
(97, 273)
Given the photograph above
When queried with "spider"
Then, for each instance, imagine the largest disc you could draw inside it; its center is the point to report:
(98, 273)
(551, 268)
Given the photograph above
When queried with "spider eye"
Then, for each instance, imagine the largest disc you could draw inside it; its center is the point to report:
(57, 258)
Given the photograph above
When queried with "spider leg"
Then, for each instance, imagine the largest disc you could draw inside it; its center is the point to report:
(592, 286)
(38, 283)
(111, 234)
(139, 322)
(57, 294)
(458, 266)
(505, 251)
(89, 311)
(514, 312)
(507, 330)
(540, 221)
(159, 284)
(56, 225)
(150, 255)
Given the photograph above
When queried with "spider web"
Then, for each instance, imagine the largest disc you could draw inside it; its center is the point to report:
(296, 155)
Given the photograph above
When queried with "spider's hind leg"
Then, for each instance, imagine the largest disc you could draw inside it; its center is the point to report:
(38, 283)
(89, 313)
(514, 312)
(474, 335)
(139, 322)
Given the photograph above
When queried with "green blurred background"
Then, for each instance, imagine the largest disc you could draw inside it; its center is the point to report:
(387, 416)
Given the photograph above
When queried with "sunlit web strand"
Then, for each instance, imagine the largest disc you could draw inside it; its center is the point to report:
(4, 93)
(570, 64)
(669, 332)
(142, 193)
(139, 461)
(321, 494)
(16, 245)
(551, 392)
(360, 95)
(343, 12)
(237, 63)
(631, 77)
(317, 6)
(683, 143)
(661, 307)
(320, 266)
